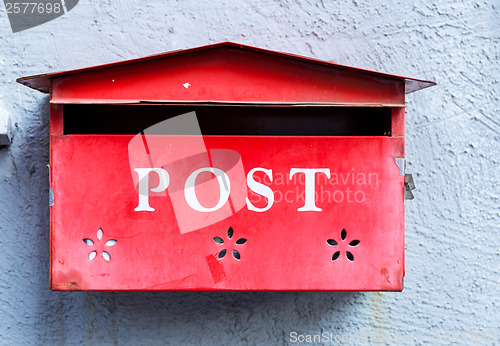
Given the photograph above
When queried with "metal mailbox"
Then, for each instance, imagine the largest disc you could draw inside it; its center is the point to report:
(226, 167)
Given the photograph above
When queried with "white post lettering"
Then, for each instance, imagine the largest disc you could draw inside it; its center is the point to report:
(190, 193)
(144, 186)
(310, 186)
(261, 189)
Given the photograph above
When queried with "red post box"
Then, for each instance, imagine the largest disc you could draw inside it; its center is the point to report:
(226, 167)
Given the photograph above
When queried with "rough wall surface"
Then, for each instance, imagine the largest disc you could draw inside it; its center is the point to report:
(452, 279)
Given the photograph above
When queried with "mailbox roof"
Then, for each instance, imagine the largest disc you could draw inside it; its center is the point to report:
(43, 82)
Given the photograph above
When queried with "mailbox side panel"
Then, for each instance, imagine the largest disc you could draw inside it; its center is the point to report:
(101, 241)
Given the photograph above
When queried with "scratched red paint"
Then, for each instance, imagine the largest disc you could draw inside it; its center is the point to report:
(216, 268)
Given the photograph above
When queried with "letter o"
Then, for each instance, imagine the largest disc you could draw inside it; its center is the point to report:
(190, 193)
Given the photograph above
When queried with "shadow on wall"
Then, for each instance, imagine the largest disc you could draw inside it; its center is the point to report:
(222, 316)
(196, 317)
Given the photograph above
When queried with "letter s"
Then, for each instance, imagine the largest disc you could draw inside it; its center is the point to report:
(261, 189)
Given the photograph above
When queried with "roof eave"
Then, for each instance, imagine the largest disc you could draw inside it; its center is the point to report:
(42, 83)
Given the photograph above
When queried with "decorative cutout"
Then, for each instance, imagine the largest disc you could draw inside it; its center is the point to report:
(88, 241)
(110, 242)
(222, 253)
(220, 241)
(236, 254)
(93, 253)
(348, 254)
(331, 242)
(106, 256)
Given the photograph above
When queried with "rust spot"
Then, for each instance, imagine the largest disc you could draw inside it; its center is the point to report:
(67, 281)
(385, 273)
(67, 286)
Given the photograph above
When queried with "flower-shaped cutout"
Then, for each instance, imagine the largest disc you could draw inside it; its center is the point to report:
(220, 241)
(105, 254)
(348, 254)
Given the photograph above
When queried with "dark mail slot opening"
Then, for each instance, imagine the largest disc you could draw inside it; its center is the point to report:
(232, 120)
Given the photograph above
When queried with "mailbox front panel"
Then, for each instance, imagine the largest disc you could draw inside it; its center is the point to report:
(336, 222)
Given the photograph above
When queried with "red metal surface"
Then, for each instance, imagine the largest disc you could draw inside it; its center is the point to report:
(43, 82)
(56, 119)
(398, 122)
(172, 247)
(105, 234)
(227, 75)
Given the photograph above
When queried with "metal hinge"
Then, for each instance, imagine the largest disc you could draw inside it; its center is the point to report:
(409, 183)
(51, 192)
(5, 128)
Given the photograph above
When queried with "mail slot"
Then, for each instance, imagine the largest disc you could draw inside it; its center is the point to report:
(226, 167)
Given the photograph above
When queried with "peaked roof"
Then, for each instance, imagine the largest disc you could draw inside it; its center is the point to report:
(42, 82)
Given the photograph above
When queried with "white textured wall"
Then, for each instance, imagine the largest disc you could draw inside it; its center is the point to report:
(452, 232)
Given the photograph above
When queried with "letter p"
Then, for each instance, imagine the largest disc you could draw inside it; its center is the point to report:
(164, 180)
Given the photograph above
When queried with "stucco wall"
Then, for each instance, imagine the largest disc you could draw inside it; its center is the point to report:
(452, 279)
